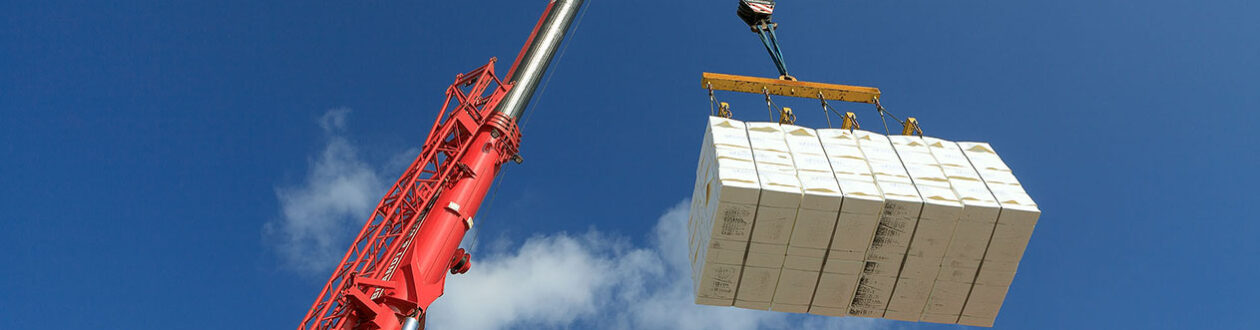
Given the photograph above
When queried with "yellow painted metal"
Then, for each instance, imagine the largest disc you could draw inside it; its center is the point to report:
(724, 110)
(911, 127)
(755, 85)
(786, 116)
(850, 121)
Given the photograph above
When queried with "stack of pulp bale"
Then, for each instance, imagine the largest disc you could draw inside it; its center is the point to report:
(859, 215)
(853, 223)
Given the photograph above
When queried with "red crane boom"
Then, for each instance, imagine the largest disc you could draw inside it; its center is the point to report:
(397, 265)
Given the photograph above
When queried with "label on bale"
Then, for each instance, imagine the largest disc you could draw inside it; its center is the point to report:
(895, 226)
(736, 219)
(720, 281)
(871, 296)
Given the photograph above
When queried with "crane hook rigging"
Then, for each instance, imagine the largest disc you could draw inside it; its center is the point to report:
(757, 14)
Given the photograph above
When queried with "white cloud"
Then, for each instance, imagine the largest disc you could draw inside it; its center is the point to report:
(319, 215)
(595, 279)
(559, 280)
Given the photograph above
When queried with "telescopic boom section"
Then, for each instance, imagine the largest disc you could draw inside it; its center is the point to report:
(397, 265)
(536, 56)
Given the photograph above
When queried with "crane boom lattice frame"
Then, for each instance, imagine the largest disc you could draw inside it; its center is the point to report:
(366, 272)
(396, 266)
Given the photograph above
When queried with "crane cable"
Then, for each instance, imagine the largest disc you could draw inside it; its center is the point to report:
(880, 108)
(572, 36)
(769, 104)
(494, 190)
(712, 99)
(723, 108)
(765, 30)
(828, 109)
(826, 115)
(881, 111)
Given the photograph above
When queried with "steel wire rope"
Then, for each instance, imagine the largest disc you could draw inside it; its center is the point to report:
(882, 110)
(826, 114)
(775, 106)
(768, 38)
(529, 113)
(712, 99)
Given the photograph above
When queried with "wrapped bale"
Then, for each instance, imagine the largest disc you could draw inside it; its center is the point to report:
(815, 221)
(843, 222)
(966, 247)
(932, 234)
(1015, 224)
(724, 203)
(860, 208)
(775, 217)
(902, 205)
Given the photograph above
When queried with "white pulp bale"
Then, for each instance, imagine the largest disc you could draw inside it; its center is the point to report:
(776, 215)
(897, 221)
(1015, 224)
(848, 222)
(937, 221)
(861, 204)
(724, 204)
(815, 221)
(966, 247)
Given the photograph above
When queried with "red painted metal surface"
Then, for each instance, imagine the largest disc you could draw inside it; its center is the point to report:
(397, 265)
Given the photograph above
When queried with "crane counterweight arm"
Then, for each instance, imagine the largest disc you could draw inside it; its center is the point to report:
(397, 265)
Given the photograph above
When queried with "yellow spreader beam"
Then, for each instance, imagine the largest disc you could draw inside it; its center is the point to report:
(755, 85)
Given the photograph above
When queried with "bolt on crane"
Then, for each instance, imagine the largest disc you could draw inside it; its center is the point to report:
(397, 264)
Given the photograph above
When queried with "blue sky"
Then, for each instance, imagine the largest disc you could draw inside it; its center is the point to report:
(165, 163)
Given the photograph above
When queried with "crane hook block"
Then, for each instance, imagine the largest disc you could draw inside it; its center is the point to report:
(754, 12)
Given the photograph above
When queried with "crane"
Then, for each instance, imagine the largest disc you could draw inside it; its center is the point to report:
(397, 264)
(759, 15)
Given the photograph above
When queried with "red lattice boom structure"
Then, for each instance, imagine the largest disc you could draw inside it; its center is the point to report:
(396, 267)
(382, 277)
